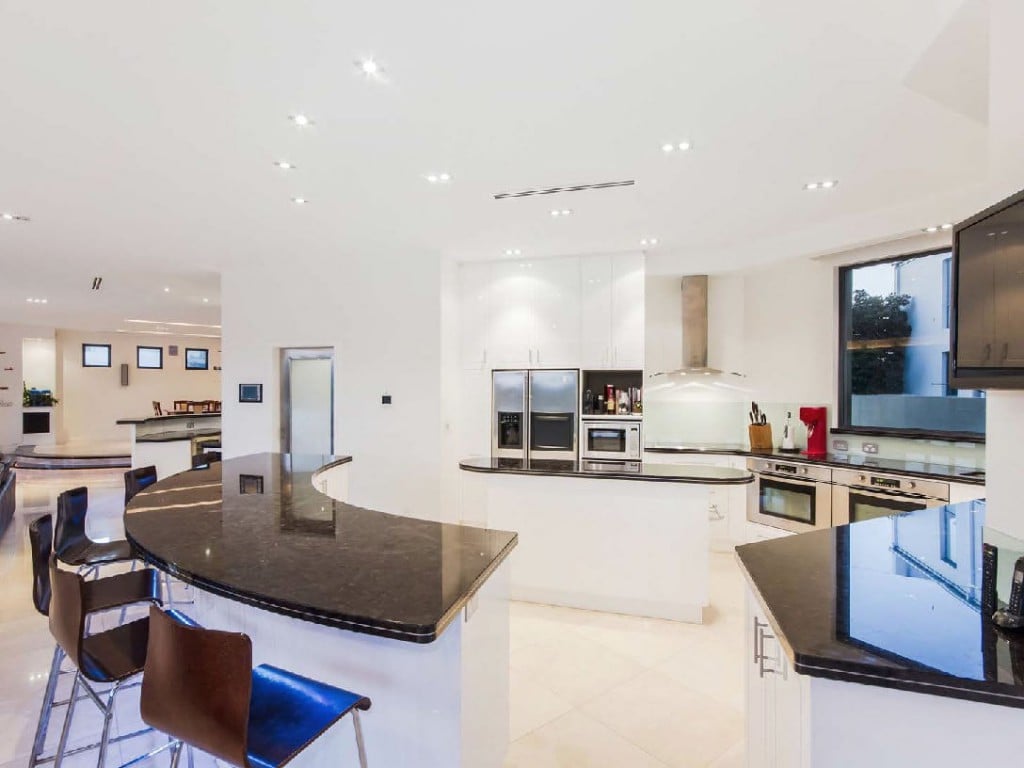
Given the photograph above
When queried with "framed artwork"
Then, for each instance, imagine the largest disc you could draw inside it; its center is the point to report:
(149, 357)
(197, 359)
(250, 393)
(95, 355)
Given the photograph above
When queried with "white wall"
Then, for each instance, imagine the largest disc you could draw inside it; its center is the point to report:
(12, 339)
(382, 315)
(39, 363)
(92, 399)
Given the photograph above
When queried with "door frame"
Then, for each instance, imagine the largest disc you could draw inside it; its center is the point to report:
(288, 354)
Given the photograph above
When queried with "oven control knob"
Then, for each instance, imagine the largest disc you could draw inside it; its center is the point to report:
(863, 478)
(911, 485)
(803, 470)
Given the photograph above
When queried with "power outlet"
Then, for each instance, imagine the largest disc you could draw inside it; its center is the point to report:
(840, 445)
(871, 448)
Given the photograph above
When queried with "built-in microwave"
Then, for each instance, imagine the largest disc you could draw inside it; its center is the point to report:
(612, 439)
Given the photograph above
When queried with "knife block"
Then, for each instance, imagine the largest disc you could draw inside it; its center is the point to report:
(761, 438)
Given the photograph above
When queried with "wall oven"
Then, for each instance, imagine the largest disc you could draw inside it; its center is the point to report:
(860, 494)
(790, 495)
(612, 439)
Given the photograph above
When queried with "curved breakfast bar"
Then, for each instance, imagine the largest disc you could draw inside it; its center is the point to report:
(411, 612)
(628, 537)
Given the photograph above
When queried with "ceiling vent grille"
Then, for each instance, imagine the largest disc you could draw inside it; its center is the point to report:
(558, 190)
(96, 283)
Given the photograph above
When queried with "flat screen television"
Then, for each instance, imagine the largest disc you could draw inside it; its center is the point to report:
(987, 314)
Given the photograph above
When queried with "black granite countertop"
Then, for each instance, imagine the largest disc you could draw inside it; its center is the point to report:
(893, 602)
(662, 473)
(256, 530)
(948, 472)
(169, 417)
(174, 435)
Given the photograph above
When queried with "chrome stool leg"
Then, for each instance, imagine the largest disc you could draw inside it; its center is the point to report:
(44, 713)
(359, 738)
(62, 745)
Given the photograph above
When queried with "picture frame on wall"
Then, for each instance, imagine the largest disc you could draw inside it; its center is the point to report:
(95, 355)
(250, 393)
(197, 359)
(149, 357)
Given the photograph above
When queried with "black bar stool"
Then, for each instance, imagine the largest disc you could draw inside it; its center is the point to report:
(73, 546)
(99, 595)
(205, 459)
(201, 690)
(137, 479)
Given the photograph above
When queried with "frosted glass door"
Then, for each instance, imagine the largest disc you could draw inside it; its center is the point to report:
(309, 401)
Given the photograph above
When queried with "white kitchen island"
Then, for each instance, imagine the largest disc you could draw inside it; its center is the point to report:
(633, 542)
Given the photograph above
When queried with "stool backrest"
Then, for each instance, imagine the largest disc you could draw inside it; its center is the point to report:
(197, 686)
(40, 536)
(67, 612)
(69, 530)
(137, 479)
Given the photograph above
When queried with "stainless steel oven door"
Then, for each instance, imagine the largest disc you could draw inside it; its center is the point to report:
(853, 504)
(796, 504)
(612, 440)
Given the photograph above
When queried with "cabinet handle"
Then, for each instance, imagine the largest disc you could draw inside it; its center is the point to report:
(988, 351)
(760, 635)
(1006, 350)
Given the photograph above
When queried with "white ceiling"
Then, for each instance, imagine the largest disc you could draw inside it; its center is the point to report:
(142, 136)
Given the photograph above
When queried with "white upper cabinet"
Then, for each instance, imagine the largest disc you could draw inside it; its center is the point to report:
(553, 313)
(627, 317)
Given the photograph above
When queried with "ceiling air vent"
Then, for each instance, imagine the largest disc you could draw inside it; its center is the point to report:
(96, 283)
(557, 190)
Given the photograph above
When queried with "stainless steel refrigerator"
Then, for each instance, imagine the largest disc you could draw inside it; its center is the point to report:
(535, 414)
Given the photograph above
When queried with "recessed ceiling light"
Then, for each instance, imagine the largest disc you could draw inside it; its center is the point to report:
(284, 165)
(438, 178)
(166, 289)
(649, 241)
(513, 252)
(206, 300)
(300, 120)
(13, 217)
(299, 200)
(369, 67)
(930, 229)
(826, 184)
(682, 146)
(668, 147)
(557, 212)
(946, 226)
(36, 301)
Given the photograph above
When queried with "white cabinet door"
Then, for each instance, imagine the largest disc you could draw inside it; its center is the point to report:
(513, 319)
(475, 315)
(556, 305)
(788, 705)
(596, 312)
(627, 331)
(759, 690)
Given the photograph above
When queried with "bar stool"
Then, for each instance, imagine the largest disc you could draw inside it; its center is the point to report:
(73, 546)
(100, 595)
(137, 479)
(111, 657)
(201, 690)
(205, 459)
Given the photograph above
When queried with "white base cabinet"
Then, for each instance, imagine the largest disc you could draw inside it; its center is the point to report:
(798, 721)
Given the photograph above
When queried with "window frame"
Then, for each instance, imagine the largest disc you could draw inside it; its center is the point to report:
(845, 396)
(110, 355)
(138, 350)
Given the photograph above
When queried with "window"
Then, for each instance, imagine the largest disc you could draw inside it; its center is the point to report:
(197, 359)
(95, 355)
(149, 357)
(894, 352)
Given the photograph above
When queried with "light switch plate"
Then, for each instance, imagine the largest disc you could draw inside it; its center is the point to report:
(840, 445)
(869, 447)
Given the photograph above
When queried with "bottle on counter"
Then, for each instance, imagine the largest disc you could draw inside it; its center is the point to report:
(610, 400)
(600, 404)
(588, 402)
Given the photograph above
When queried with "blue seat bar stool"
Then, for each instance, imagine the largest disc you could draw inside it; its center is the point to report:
(71, 543)
(101, 595)
(201, 690)
(137, 479)
(110, 658)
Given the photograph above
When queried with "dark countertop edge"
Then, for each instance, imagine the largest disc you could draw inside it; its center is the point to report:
(167, 416)
(608, 476)
(814, 666)
(414, 633)
(175, 436)
(696, 450)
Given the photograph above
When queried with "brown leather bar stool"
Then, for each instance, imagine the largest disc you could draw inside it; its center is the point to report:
(110, 658)
(71, 543)
(137, 479)
(200, 689)
(69, 601)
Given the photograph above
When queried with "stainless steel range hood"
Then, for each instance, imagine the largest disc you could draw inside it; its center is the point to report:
(695, 331)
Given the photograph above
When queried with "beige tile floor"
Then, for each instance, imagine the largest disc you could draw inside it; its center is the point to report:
(588, 689)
